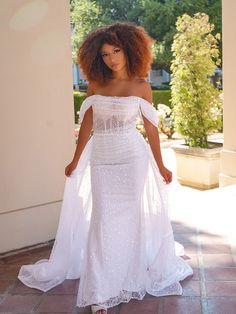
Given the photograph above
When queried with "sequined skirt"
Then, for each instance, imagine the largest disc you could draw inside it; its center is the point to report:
(115, 243)
(117, 148)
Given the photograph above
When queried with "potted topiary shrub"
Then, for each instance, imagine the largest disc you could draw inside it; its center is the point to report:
(197, 104)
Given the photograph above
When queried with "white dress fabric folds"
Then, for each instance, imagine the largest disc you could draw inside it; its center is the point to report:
(114, 231)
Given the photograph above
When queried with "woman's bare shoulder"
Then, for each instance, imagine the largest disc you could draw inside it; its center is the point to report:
(90, 89)
(145, 89)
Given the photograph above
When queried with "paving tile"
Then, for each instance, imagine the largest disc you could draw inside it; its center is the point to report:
(219, 268)
(221, 305)
(35, 258)
(182, 305)
(41, 250)
(190, 248)
(179, 227)
(186, 238)
(19, 303)
(2, 297)
(38, 256)
(196, 274)
(13, 255)
(87, 310)
(57, 303)
(67, 287)
(6, 285)
(44, 254)
(82, 310)
(221, 288)
(9, 271)
(220, 274)
(218, 260)
(113, 310)
(190, 287)
(20, 288)
(216, 249)
(21, 259)
(149, 296)
(147, 305)
(207, 238)
(192, 260)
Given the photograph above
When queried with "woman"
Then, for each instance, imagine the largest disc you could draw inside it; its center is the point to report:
(114, 231)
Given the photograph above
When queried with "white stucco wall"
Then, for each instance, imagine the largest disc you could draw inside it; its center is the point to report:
(36, 118)
(228, 155)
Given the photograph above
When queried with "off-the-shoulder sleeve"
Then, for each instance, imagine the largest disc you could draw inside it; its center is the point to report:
(83, 108)
(148, 110)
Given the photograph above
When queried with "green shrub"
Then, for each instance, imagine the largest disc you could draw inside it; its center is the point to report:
(197, 103)
(160, 87)
(83, 87)
(161, 97)
(78, 99)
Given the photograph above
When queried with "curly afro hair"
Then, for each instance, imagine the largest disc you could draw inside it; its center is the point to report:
(134, 41)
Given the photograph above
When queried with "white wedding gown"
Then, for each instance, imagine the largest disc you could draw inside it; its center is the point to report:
(114, 231)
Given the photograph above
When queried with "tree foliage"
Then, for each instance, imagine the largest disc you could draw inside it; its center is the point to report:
(197, 103)
(121, 10)
(158, 17)
(86, 15)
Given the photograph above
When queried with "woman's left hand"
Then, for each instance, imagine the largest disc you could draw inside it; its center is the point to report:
(166, 174)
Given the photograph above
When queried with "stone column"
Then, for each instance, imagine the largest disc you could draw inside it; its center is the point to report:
(37, 118)
(228, 155)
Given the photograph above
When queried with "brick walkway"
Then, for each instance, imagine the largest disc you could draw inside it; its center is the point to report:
(204, 222)
(212, 288)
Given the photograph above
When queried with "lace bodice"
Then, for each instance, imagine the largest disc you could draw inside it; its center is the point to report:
(114, 114)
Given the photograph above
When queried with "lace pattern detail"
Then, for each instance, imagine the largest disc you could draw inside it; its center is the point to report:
(114, 231)
(125, 296)
(111, 114)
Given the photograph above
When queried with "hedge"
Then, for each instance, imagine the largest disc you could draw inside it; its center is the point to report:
(78, 99)
(159, 97)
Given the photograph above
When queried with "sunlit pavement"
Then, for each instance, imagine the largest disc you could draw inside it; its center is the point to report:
(204, 222)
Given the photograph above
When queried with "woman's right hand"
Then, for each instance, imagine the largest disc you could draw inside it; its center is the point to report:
(69, 168)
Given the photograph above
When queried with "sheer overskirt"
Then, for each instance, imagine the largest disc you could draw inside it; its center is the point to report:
(114, 231)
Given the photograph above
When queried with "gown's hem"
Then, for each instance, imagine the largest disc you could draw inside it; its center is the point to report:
(25, 282)
(141, 294)
(79, 230)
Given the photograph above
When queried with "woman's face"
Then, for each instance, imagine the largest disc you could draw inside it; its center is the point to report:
(113, 57)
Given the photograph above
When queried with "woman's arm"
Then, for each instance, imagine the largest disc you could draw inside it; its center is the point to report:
(84, 133)
(154, 139)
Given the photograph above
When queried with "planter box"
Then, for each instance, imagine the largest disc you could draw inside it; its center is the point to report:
(198, 167)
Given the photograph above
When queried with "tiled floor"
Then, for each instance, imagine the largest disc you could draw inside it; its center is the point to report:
(204, 222)
(212, 288)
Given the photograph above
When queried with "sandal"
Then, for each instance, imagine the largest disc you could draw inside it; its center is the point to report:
(96, 308)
